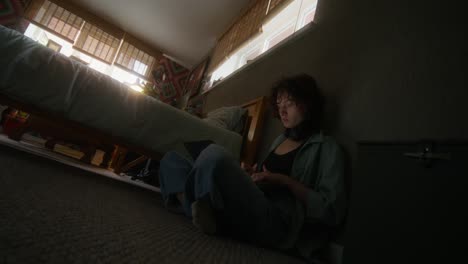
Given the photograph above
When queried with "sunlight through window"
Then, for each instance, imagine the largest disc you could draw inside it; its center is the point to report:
(290, 19)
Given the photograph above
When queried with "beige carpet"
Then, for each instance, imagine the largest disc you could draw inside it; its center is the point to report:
(55, 213)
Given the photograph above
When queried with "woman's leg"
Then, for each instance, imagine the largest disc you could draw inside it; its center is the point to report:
(173, 174)
(241, 208)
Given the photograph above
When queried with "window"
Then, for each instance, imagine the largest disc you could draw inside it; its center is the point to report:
(58, 20)
(140, 67)
(246, 27)
(307, 13)
(86, 38)
(251, 54)
(286, 18)
(97, 43)
(47, 39)
(279, 35)
(124, 76)
(133, 57)
(97, 47)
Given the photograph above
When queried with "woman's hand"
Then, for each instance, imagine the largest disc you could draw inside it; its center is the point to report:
(297, 188)
(249, 169)
(269, 177)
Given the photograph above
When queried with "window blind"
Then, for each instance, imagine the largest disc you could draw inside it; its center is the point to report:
(220, 53)
(97, 43)
(58, 20)
(136, 57)
(92, 35)
(246, 27)
(249, 24)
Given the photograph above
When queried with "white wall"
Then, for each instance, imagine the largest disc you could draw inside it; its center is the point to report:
(392, 70)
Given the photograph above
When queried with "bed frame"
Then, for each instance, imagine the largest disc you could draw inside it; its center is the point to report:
(253, 129)
(251, 134)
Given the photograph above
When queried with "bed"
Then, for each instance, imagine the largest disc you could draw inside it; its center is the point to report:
(38, 80)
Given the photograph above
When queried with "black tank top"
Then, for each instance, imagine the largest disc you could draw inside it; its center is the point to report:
(277, 193)
(281, 163)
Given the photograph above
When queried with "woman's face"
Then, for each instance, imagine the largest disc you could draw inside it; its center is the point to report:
(290, 113)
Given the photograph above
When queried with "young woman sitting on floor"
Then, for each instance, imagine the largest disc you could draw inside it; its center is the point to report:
(290, 200)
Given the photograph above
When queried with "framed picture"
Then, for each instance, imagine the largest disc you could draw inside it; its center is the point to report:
(195, 77)
(54, 45)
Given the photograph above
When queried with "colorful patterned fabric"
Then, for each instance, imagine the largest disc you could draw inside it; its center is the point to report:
(170, 83)
(11, 12)
(170, 79)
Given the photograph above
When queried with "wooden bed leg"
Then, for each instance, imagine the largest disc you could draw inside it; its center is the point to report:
(118, 159)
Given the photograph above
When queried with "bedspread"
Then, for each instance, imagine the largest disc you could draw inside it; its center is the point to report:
(36, 75)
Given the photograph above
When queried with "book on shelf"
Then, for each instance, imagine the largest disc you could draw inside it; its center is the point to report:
(68, 151)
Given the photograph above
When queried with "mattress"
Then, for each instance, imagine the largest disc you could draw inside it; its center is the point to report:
(36, 75)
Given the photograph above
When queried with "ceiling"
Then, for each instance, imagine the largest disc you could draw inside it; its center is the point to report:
(185, 30)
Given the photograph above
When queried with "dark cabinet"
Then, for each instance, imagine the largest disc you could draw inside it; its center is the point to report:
(408, 203)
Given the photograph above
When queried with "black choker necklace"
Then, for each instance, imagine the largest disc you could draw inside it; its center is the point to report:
(299, 132)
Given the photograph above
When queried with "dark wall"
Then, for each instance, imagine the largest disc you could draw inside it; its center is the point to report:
(391, 70)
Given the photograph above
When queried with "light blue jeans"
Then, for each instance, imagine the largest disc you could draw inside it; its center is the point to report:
(242, 209)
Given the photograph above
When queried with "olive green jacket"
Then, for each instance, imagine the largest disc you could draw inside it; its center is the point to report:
(319, 164)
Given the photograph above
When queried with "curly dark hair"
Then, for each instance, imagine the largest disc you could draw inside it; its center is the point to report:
(303, 90)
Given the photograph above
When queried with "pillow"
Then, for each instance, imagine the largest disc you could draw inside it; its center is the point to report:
(195, 105)
(231, 118)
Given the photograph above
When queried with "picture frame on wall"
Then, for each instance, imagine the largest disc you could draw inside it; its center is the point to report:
(54, 45)
(195, 78)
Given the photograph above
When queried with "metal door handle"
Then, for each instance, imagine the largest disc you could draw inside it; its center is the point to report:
(428, 155)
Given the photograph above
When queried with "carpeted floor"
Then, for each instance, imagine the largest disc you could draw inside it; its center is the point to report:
(54, 213)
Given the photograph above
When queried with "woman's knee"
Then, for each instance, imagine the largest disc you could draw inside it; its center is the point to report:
(173, 162)
(171, 157)
(213, 154)
(173, 169)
